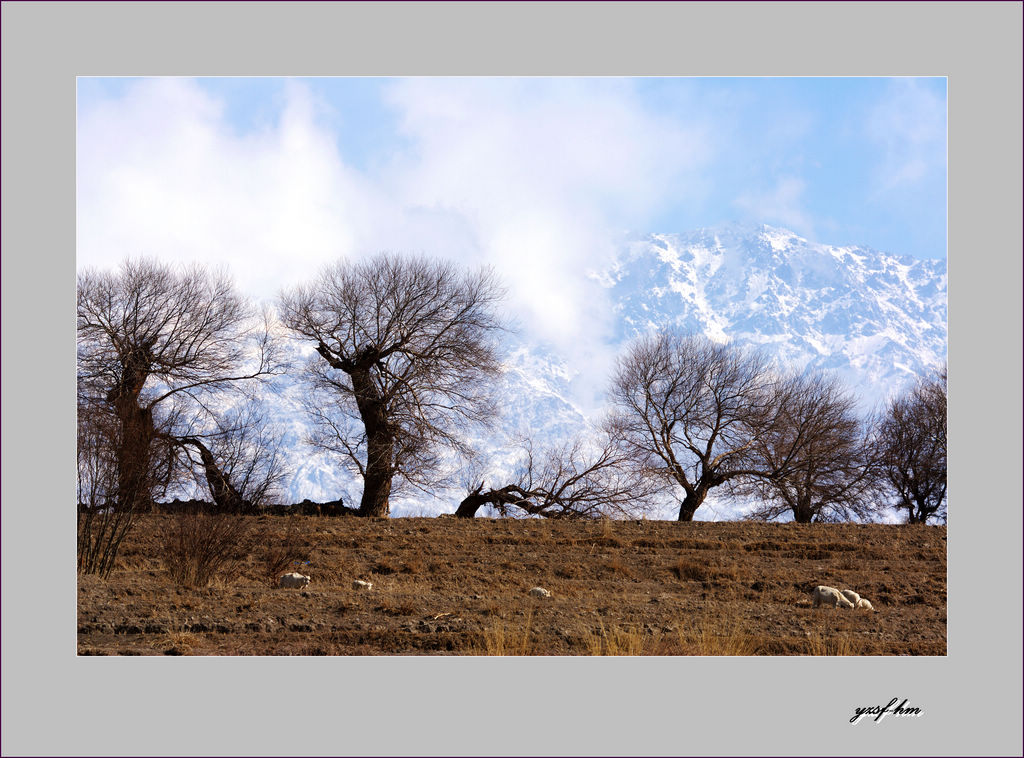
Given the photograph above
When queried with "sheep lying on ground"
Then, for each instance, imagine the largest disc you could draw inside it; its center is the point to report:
(293, 581)
(831, 597)
(359, 584)
(857, 600)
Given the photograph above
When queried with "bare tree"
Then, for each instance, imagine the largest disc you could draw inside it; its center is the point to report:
(239, 459)
(911, 437)
(690, 412)
(151, 337)
(405, 346)
(571, 480)
(820, 455)
(101, 527)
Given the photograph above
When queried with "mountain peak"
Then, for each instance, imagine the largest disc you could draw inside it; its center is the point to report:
(876, 319)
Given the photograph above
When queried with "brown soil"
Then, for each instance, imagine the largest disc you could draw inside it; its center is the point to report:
(453, 586)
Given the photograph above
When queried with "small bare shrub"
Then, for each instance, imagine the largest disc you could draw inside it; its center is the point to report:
(283, 552)
(198, 546)
(105, 516)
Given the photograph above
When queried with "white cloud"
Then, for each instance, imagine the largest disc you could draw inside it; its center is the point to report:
(536, 177)
(546, 173)
(909, 126)
(162, 173)
(782, 204)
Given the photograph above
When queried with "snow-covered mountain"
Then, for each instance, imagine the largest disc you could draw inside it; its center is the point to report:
(877, 319)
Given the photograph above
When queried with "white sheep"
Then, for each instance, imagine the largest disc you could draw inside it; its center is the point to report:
(540, 592)
(830, 596)
(359, 584)
(857, 600)
(852, 596)
(293, 581)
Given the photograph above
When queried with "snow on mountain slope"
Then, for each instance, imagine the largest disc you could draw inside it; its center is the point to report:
(878, 320)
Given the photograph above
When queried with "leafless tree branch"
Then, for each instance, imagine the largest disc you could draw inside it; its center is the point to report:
(406, 348)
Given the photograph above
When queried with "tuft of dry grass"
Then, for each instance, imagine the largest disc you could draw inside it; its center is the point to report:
(685, 568)
(504, 639)
(833, 644)
(616, 566)
(616, 641)
(716, 636)
(176, 641)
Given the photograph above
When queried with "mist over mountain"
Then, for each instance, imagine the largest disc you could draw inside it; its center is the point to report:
(877, 320)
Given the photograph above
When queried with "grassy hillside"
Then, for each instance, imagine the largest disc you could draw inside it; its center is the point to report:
(451, 586)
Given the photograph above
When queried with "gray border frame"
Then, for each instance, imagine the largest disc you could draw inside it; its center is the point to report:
(56, 703)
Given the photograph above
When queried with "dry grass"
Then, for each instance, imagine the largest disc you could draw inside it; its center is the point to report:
(617, 567)
(176, 640)
(282, 552)
(616, 641)
(717, 636)
(454, 586)
(197, 547)
(687, 569)
(837, 644)
(507, 638)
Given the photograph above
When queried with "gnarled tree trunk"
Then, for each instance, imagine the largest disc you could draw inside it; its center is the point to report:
(694, 497)
(380, 445)
(472, 503)
(508, 495)
(134, 453)
(225, 495)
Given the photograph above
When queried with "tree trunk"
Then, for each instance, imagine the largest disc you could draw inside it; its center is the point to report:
(471, 504)
(803, 513)
(510, 494)
(134, 454)
(380, 445)
(691, 502)
(224, 494)
(376, 486)
(134, 451)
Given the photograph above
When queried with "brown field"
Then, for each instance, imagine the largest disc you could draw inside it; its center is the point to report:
(453, 586)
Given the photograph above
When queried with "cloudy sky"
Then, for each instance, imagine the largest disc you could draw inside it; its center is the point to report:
(539, 177)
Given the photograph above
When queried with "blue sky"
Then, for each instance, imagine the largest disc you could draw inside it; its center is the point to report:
(539, 177)
(839, 160)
